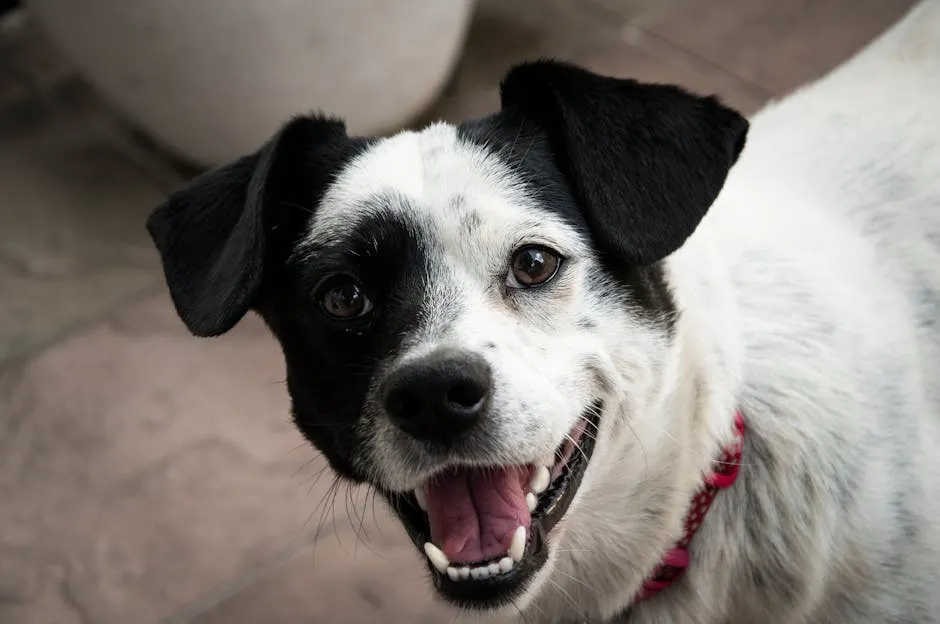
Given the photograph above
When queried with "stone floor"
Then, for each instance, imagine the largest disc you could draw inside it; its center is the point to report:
(146, 476)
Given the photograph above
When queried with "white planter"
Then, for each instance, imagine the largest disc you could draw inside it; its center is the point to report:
(212, 79)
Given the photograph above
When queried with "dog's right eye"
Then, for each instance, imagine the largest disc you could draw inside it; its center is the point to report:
(532, 265)
(344, 299)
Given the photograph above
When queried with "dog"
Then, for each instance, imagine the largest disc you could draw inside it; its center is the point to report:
(615, 352)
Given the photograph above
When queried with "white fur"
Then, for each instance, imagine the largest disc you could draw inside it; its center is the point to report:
(809, 299)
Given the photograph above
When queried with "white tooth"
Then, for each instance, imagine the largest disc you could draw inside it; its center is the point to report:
(540, 479)
(531, 501)
(505, 564)
(464, 573)
(480, 573)
(494, 569)
(453, 573)
(438, 558)
(421, 498)
(517, 546)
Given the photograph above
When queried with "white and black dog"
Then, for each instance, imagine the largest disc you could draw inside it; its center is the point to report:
(555, 337)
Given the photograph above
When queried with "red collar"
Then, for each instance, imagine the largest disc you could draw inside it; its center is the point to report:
(676, 559)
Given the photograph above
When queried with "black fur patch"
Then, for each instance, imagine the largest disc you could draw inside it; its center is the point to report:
(228, 242)
(331, 365)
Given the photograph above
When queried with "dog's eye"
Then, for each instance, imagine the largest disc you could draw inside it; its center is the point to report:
(531, 266)
(344, 299)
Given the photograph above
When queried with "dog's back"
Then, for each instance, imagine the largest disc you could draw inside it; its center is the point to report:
(846, 171)
(830, 227)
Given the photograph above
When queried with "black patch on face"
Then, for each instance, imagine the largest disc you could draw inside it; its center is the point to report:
(331, 364)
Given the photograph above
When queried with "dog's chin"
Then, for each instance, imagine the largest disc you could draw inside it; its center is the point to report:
(492, 583)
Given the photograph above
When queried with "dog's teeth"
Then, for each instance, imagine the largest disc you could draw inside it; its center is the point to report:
(438, 558)
(517, 547)
(480, 573)
(421, 498)
(531, 501)
(540, 480)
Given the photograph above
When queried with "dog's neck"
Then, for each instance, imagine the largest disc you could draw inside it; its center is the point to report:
(711, 366)
(677, 558)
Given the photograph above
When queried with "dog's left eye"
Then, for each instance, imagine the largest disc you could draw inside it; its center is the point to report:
(344, 299)
(531, 266)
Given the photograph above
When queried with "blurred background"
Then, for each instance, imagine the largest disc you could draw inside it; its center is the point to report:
(146, 476)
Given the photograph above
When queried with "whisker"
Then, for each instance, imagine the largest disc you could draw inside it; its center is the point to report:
(526, 153)
(576, 580)
(516, 138)
(702, 456)
(289, 204)
(636, 436)
(568, 597)
(576, 446)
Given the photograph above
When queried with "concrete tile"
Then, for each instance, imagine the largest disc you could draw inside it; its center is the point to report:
(206, 513)
(649, 59)
(632, 54)
(96, 411)
(633, 11)
(72, 241)
(505, 33)
(145, 468)
(609, 39)
(457, 106)
(31, 589)
(51, 605)
(75, 194)
(777, 44)
(335, 583)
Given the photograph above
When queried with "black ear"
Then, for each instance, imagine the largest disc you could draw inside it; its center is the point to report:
(215, 235)
(645, 162)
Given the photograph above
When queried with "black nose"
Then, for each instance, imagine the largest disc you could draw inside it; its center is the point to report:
(440, 396)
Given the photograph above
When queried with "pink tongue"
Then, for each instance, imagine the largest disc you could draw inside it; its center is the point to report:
(474, 512)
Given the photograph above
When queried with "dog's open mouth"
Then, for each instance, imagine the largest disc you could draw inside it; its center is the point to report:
(484, 529)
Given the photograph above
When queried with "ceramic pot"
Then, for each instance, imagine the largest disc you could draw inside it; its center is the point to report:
(212, 79)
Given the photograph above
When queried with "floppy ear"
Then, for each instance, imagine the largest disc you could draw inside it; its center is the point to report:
(645, 162)
(215, 236)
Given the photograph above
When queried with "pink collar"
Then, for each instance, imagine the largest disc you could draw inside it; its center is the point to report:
(676, 559)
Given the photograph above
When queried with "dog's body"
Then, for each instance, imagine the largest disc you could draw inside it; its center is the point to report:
(822, 254)
(807, 299)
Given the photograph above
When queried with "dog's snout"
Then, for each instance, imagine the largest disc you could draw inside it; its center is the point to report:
(440, 396)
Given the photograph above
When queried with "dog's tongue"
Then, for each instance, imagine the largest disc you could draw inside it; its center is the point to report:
(473, 513)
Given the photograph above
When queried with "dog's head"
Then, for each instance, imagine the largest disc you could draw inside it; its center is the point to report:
(471, 315)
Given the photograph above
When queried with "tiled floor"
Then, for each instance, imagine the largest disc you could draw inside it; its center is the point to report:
(146, 476)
